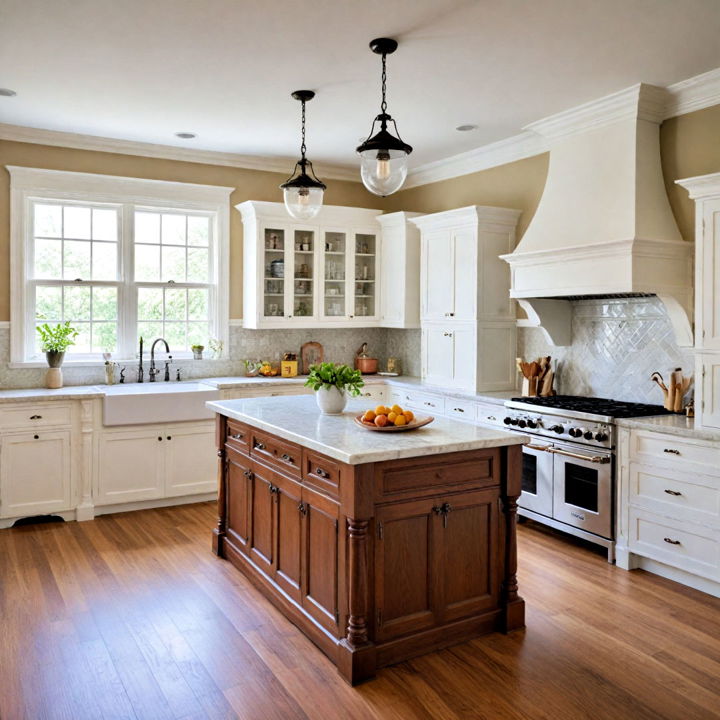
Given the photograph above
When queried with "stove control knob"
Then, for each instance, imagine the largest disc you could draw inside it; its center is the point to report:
(513, 421)
(507, 420)
(522, 423)
(575, 432)
(588, 435)
(532, 424)
(559, 429)
(601, 436)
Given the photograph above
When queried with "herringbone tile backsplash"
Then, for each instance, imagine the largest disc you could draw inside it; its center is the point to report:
(616, 346)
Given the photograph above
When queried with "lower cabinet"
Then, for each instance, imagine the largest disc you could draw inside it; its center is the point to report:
(156, 461)
(422, 573)
(35, 476)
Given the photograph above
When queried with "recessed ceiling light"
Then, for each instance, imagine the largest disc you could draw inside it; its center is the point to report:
(466, 128)
(185, 135)
(7, 92)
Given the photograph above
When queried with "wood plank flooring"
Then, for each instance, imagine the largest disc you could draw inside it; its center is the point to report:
(131, 616)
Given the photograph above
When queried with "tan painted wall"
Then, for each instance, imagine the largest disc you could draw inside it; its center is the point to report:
(250, 184)
(690, 146)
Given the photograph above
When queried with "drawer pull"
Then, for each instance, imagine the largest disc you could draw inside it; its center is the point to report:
(36, 417)
(672, 451)
(492, 417)
(322, 473)
(237, 436)
(259, 445)
(286, 458)
(676, 493)
(429, 404)
(671, 541)
(456, 409)
(302, 507)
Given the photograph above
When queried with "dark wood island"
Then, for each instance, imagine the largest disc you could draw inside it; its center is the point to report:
(378, 546)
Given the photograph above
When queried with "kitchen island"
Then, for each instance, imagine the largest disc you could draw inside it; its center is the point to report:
(379, 546)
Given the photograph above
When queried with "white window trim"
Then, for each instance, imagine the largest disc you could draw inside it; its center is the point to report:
(32, 183)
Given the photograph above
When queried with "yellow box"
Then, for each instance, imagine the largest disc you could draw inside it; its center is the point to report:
(288, 368)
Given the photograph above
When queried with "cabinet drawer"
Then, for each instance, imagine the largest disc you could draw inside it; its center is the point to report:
(321, 472)
(278, 453)
(682, 545)
(373, 394)
(489, 414)
(460, 409)
(475, 469)
(682, 495)
(675, 452)
(35, 416)
(237, 436)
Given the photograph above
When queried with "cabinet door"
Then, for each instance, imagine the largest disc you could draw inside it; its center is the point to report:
(437, 355)
(437, 276)
(467, 558)
(363, 296)
(262, 522)
(710, 273)
(404, 543)
(288, 534)
(710, 373)
(393, 286)
(190, 459)
(464, 357)
(131, 465)
(301, 274)
(333, 270)
(320, 559)
(464, 283)
(275, 252)
(35, 473)
(238, 497)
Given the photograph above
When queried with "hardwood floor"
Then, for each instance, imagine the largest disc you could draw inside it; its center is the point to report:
(131, 616)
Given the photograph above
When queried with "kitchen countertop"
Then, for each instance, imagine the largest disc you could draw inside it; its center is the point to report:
(670, 425)
(299, 420)
(75, 392)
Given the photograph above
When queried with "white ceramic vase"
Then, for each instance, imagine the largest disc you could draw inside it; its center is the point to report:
(330, 400)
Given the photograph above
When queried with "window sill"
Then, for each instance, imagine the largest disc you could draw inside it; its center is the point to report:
(129, 363)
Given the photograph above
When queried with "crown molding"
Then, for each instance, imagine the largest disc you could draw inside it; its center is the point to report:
(56, 138)
(701, 186)
(695, 93)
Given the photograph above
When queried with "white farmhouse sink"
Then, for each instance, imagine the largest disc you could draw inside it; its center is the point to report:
(139, 403)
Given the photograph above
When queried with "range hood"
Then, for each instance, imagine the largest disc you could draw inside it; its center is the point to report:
(604, 226)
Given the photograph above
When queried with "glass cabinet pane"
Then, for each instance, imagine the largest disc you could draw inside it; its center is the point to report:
(274, 278)
(365, 277)
(303, 280)
(334, 279)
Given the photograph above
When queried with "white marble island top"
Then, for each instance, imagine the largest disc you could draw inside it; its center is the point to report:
(299, 420)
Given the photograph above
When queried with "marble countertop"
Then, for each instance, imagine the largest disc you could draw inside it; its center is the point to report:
(671, 425)
(76, 392)
(299, 420)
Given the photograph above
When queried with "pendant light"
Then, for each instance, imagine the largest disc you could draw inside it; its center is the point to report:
(383, 156)
(303, 192)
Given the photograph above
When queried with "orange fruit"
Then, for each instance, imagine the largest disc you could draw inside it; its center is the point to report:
(369, 415)
(381, 410)
(391, 416)
(400, 420)
(408, 415)
(381, 420)
(397, 409)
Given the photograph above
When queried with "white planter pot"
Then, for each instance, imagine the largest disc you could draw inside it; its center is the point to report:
(330, 400)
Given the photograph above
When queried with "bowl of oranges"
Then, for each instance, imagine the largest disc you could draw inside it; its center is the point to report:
(391, 419)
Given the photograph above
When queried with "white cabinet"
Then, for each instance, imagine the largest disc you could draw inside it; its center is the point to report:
(35, 476)
(467, 316)
(399, 271)
(156, 461)
(300, 275)
(705, 190)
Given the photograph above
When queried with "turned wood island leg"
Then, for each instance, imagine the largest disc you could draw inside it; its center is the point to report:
(514, 605)
(356, 654)
(219, 530)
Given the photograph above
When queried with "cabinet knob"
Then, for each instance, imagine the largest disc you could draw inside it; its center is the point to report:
(248, 474)
(36, 437)
(159, 438)
(302, 507)
(322, 473)
(169, 437)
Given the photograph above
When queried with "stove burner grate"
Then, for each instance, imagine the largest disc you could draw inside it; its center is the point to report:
(594, 405)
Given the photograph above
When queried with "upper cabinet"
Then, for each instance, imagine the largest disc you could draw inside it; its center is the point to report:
(400, 271)
(300, 275)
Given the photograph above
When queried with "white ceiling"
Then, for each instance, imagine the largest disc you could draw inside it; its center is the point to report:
(144, 69)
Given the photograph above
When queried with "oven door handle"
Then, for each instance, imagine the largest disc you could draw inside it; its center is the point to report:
(544, 448)
(601, 459)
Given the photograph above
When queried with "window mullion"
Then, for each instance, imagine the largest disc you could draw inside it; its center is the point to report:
(127, 303)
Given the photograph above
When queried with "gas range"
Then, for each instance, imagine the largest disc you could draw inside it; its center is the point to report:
(586, 420)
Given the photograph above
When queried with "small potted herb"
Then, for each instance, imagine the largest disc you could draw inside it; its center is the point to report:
(197, 351)
(332, 384)
(55, 341)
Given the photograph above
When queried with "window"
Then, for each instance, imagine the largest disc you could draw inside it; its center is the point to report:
(119, 258)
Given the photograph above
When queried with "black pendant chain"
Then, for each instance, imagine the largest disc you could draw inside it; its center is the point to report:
(383, 104)
(302, 146)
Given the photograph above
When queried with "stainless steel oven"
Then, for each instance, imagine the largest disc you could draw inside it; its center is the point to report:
(537, 478)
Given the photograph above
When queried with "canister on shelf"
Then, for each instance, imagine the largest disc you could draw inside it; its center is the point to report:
(289, 365)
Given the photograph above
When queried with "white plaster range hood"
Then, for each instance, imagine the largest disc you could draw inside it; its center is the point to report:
(604, 226)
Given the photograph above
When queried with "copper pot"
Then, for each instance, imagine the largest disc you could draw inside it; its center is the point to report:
(367, 365)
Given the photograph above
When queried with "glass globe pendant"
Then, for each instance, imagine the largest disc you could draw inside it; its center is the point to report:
(383, 156)
(303, 192)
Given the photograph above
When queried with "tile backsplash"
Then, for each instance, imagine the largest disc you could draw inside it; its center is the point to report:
(616, 345)
(340, 345)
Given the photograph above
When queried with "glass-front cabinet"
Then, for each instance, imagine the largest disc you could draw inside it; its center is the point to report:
(314, 275)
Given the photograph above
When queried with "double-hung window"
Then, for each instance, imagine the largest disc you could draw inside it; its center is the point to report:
(120, 259)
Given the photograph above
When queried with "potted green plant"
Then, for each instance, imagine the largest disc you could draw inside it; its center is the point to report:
(332, 384)
(197, 351)
(55, 341)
